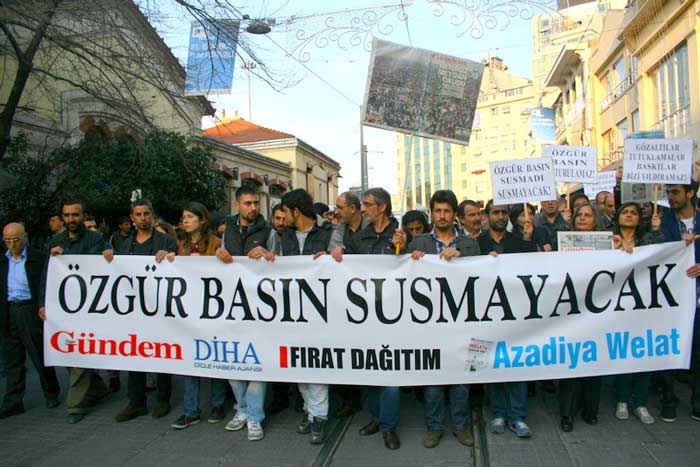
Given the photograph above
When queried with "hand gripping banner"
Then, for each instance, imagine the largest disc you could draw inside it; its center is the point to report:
(376, 320)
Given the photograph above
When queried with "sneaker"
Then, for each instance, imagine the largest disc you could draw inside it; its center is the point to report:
(668, 414)
(217, 414)
(643, 415)
(318, 430)
(520, 429)
(237, 422)
(432, 438)
(184, 422)
(255, 431)
(304, 426)
(621, 412)
(498, 426)
(695, 415)
(130, 412)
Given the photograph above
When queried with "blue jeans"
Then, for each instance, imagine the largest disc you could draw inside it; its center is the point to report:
(217, 397)
(251, 398)
(384, 405)
(434, 404)
(509, 401)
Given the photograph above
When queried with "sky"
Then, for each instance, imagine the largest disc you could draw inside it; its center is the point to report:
(323, 106)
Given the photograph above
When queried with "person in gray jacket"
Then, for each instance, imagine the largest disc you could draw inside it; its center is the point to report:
(448, 242)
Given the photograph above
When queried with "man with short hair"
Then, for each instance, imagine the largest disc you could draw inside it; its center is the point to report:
(145, 241)
(303, 236)
(90, 223)
(508, 400)
(600, 200)
(56, 224)
(246, 234)
(682, 222)
(447, 242)
(610, 206)
(350, 221)
(578, 199)
(469, 216)
(86, 387)
(22, 333)
(380, 237)
(122, 233)
(553, 221)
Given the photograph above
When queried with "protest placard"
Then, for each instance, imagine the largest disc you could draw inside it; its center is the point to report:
(636, 192)
(584, 241)
(658, 161)
(421, 92)
(522, 181)
(605, 181)
(573, 163)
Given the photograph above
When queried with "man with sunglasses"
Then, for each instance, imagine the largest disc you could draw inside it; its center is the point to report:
(682, 220)
(20, 288)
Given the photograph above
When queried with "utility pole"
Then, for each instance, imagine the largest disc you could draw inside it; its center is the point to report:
(249, 66)
(363, 156)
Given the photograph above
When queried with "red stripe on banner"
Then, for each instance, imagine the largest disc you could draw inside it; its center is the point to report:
(283, 356)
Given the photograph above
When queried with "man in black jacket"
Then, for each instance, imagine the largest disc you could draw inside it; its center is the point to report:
(380, 237)
(22, 333)
(247, 233)
(145, 241)
(304, 237)
(508, 400)
(86, 387)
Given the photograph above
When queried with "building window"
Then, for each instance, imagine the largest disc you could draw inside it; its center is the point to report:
(672, 91)
(619, 68)
(464, 184)
(463, 167)
(635, 121)
(476, 155)
(494, 112)
(506, 110)
(621, 132)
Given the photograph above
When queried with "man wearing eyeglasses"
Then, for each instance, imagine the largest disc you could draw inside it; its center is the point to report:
(20, 289)
(680, 222)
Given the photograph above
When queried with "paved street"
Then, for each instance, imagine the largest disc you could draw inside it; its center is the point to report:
(42, 437)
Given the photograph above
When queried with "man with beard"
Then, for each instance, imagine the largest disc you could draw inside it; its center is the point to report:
(277, 223)
(303, 236)
(682, 221)
(247, 234)
(447, 242)
(379, 238)
(86, 388)
(348, 209)
(508, 400)
(122, 234)
(145, 241)
(468, 215)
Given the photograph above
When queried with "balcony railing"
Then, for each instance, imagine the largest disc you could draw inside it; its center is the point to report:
(676, 123)
(619, 91)
(611, 157)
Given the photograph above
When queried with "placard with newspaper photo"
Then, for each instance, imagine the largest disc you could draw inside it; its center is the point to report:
(584, 241)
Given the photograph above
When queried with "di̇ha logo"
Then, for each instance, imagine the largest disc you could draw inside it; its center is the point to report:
(223, 351)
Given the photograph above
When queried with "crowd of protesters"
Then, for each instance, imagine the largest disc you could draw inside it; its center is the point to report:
(357, 225)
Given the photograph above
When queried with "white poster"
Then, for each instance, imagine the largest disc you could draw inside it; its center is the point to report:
(523, 181)
(605, 181)
(666, 161)
(376, 320)
(578, 164)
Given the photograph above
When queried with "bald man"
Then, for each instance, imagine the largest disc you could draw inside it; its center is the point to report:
(20, 287)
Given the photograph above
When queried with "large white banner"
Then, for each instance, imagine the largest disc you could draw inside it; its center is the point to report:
(376, 320)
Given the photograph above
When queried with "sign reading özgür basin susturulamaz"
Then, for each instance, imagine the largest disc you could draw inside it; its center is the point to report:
(375, 320)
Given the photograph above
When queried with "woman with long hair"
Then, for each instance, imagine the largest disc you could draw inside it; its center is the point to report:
(199, 242)
(581, 392)
(633, 389)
